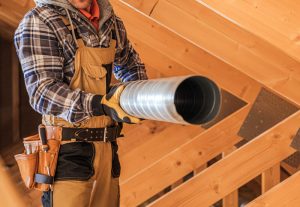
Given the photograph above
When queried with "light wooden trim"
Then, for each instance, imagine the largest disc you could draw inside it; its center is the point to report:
(231, 200)
(236, 169)
(183, 160)
(286, 194)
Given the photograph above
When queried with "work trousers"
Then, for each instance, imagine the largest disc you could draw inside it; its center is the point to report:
(100, 190)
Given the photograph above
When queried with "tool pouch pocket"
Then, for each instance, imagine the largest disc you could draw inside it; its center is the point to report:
(27, 166)
(47, 163)
(37, 166)
(28, 160)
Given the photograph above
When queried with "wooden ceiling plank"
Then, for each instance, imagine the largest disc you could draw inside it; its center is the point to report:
(209, 22)
(217, 43)
(145, 6)
(259, 22)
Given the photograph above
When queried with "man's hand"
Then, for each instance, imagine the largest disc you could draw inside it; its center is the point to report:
(112, 108)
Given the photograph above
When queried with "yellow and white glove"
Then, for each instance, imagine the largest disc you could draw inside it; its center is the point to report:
(112, 108)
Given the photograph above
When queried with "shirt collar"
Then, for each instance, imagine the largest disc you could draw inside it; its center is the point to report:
(94, 13)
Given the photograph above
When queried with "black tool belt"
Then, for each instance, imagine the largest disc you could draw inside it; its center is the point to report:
(108, 134)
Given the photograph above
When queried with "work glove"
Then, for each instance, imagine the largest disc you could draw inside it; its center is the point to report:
(112, 108)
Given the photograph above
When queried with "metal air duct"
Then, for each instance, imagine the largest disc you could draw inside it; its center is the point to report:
(183, 100)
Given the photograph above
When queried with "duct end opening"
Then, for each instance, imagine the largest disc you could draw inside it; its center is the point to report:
(197, 100)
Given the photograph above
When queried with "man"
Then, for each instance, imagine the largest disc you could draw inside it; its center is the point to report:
(68, 50)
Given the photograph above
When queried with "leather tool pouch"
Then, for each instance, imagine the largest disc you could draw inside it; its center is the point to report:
(37, 164)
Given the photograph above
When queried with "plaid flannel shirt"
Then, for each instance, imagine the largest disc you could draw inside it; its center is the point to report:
(46, 50)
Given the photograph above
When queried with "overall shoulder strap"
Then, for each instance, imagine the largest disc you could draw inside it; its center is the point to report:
(68, 22)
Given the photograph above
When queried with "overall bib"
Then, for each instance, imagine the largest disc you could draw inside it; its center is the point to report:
(101, 189)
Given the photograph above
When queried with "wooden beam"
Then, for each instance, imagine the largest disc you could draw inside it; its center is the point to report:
(270, 178)
(145, 6)
(224, 36)
(183, 160)
(231, 200)
(236, 169)
(136, 135)
(155, 148)
(275, 21)
(156, 59)
(286, 194)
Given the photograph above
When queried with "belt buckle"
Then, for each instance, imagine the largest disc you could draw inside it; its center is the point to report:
(105, 134)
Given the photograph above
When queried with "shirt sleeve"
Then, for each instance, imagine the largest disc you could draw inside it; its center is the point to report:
(128, 65)
(42, 64)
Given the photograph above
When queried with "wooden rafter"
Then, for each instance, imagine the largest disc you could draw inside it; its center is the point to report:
(276, 22)
(237, 168)
(183, 160)
(286, 194)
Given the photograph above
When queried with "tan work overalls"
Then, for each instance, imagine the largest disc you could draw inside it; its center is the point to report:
(102, 190)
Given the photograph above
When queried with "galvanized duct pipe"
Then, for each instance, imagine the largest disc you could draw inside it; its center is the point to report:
(183, 100)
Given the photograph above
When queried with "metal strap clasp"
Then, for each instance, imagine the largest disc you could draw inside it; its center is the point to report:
(105, 134)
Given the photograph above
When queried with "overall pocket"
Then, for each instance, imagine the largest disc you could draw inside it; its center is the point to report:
(94, 78)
